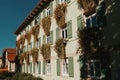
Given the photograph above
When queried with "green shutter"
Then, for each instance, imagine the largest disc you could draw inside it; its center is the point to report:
(57, 2)
(30, 67)
(68, 1)
(79, 22)
(51, 37)
(71, 67)
(44, 39)
(26, 68)
(57, 33)
(39, 67)
(69, 29)
(39, 42)
(44, 67)
(51, 8)
(58, 67)
(44, 13)
(33, 68)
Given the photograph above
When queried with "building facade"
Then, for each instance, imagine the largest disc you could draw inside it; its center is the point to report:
(60, 40)
(8, 60)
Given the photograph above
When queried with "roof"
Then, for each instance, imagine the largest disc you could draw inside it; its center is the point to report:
(0, 57)
(11, 57)
(10, 50)
(38, 8)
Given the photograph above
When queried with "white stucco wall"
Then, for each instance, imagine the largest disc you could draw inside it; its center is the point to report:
(72, 13)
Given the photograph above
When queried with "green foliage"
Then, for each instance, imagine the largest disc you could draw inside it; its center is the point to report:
(23, 76)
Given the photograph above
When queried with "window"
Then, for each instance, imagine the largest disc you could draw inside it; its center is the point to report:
(61, 1)
(64, 33)
(65, 67)
(48, 39)
(37, 21)
(48, 11)
(91, 21)
(48, 67)
(94, 69)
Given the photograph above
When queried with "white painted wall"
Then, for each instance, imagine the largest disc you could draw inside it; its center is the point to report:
(72, 45)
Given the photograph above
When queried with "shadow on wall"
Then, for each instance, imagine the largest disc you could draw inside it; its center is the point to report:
(111, 36)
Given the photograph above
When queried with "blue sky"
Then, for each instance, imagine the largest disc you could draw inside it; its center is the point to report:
(12, 13)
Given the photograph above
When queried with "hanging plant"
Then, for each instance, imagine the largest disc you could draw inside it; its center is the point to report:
(21, 59)
(35, 31)
(46, 24)
(59, 14)
(22, 39)
(89, 40)
(89, 6)
(18, 44)
(34, 54)
(26, 56)
(28, 36)
(60, 48)
(46, 51)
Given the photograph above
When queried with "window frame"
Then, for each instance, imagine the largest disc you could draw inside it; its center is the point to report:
(64, 33)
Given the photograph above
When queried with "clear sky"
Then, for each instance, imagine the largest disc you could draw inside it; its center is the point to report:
(12, 13)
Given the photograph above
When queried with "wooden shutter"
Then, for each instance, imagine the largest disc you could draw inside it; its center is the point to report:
(69, 29)
(44, 12)
(39, 67)
(51, 8)
(57, 33)
(68, 1)
(44, 39)
(33, 67)
(57, 2)
(39, 41)
(51, 37)
(79, 22)
(44, 67)
(58, 67)
(71, 67)
(30, 67)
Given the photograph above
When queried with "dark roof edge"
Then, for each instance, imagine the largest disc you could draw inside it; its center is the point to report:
(36, 10)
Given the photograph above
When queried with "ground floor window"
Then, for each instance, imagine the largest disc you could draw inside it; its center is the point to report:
(48, 67)
(65, 67)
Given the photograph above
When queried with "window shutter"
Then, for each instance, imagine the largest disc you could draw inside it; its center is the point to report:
(44, 67)
(39, 41)
(79, 22)
(51, 37)
(51, 8)
(44, 39)
(38, 19)
(57, 2)
(94, 21)
(26, 68)
(69, 29)
(71, 67)
(58, 67)
(88, 24)
(33, 67)
(44, 13)
(30, 67)
(39, 67)
(57, 33)
(68, 1)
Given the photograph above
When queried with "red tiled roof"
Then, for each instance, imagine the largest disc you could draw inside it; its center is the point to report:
(11, 57)
(10, 50)
(0, 57)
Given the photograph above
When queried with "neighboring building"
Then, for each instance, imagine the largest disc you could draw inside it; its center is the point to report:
(48, 44)
(9, 55)
(0, 61)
